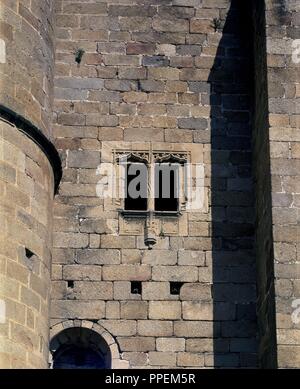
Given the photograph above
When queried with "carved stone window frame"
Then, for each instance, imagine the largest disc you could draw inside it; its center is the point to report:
(150, 158)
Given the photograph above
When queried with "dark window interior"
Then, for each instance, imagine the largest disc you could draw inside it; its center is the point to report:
(136, 287)
(166, 187)
(80, 348)
(78, 357)
(137, 178)
(71, 284)
(175, 287)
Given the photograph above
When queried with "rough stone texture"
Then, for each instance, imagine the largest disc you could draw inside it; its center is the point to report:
(283, 111)
(26, 182)
(161, 73)
(26, 77)
(277, 229)
(173, 76)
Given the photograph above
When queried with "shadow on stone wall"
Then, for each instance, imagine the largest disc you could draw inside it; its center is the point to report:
(233, 259)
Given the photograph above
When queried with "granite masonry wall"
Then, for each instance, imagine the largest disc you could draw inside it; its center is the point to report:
(276, 141)
(26, 194)
(173, 76)
(263, 204)
(29, 172)
(282, 31)
(215, 82)
(27, 59)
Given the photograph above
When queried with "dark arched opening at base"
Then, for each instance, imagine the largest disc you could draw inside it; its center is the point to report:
(80, 348)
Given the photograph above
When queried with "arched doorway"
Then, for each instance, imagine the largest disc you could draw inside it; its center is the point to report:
(80, 348)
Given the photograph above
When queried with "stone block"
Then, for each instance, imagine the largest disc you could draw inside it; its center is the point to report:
(284, 356)
(170, 25)
(92, 290)
(112, 310)
(117, 242)
(119, 327)
(174, 273)
(193, 123)
(156, 291)
(155, 328)
(196, 329)
(137, 344)
(98, 257)
(207, 345)
(155, 60)
(134, 310)
(195, 291)
(126, 273)
(165, 310)
(163, 73)
(170, 344)
(88, 310)
(192, 310)
(70, 240)
(190, 257)
(136, 358)
(132, 73)
(162, 358)
(84, 159)
(190, 359)
(164, 257)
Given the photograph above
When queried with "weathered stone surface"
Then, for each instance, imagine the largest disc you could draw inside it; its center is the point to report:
(165, 310)
(170, 344)
(173, 273)
(127, 272)
(139, 343)
(190, 359)
(196, 329)
(193, 291)
(155, 328)
(162, 359)
(134, 310)
(176, 75)
(78, 309)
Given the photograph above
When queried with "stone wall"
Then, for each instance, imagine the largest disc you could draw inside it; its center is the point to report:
(263, 203)
(29, 173)
(174, 74)
(282, 21)
(276, 141)
(26, 193)
(27, 59)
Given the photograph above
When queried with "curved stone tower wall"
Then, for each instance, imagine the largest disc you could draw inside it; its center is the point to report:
(26, 63)
(29, 171)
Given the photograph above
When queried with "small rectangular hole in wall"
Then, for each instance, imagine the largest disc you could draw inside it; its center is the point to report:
(29, 254)
(175, 287)
(71, 284)
(136, 287)
(29, 259)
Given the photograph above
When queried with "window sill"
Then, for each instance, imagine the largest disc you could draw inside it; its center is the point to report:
(145, 214)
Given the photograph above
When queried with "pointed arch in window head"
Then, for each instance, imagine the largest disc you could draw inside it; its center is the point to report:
(136, 180)
(132, 157)
(167, 186)
(180, 158)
